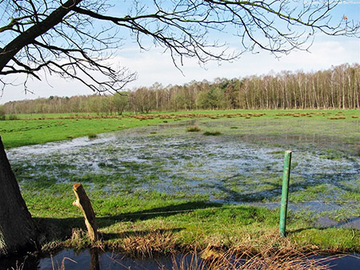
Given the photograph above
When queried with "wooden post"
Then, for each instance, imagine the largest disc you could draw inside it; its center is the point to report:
(84, 204)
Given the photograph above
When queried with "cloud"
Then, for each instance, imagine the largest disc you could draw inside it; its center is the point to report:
(157, 67)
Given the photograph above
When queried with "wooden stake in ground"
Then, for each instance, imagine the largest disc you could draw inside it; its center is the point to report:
(84, 204)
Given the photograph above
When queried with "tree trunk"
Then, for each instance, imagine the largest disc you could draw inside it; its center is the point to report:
(17, 229)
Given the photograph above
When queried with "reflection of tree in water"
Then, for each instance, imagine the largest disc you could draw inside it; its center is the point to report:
(94, 262)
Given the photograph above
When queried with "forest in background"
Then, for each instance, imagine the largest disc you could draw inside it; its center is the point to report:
(335, 88)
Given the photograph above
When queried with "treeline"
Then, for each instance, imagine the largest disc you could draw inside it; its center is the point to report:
(338, 87)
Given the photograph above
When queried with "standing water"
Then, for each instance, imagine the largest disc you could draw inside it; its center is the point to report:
(232, 168)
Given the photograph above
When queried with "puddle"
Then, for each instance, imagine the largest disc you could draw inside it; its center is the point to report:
(92, 259)
(235, 167)
(353, 223)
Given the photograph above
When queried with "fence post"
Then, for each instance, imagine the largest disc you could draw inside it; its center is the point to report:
(84, 204)
(285, 192)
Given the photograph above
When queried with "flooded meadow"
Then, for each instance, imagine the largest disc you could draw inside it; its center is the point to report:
(242, 164)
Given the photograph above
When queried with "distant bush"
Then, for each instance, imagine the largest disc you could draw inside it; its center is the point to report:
(13, 117)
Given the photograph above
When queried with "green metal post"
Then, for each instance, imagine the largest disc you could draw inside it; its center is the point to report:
(285, 192)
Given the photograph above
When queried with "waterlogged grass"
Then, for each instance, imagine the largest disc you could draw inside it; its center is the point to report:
(212, 133)
(36, 129)
(160, 189)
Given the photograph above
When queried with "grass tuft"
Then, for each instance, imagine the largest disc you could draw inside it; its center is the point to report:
(212, 133)
(193, 129)
(92, 136)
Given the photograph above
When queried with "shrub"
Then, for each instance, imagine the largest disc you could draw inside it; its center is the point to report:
(13, 117)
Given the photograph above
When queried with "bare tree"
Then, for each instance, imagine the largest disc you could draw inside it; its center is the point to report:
(75, 38)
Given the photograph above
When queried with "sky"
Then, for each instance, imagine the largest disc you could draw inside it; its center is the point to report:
(154, 66)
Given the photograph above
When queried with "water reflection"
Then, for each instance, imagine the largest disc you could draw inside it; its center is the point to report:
(94, 259)
(94, 262)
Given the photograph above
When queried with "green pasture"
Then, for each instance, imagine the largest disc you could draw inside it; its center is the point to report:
(37, 129)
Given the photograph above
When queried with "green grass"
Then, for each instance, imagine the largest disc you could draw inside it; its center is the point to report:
(28, 132)
(37, 129)
(176, 224)
(331, 239)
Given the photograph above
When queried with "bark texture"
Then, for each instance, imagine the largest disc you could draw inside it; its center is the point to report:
(17, 229)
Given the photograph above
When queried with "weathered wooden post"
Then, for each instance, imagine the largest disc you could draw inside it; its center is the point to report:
(84, 204)
(285, 193)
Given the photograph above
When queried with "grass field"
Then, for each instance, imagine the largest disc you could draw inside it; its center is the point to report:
(134, 217)
(36, 129)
